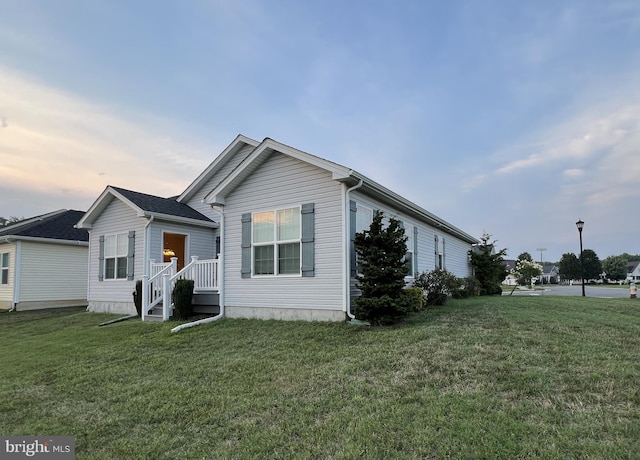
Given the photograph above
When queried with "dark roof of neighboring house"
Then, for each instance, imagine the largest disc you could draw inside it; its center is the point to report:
(57, 225)
(631, 266)
(509, 264)
(156, 204)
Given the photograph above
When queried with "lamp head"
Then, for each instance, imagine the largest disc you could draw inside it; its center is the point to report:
(579, 224)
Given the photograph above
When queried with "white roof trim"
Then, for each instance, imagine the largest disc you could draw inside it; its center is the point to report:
(239, 142)
(100, 205)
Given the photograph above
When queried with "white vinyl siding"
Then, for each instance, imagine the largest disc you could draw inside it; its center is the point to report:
(196, 201)
(116, 218)
(52, 272)
(280, 182)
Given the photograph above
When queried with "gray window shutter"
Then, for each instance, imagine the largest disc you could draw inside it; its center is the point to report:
(415, 249)
(444, 255)
(131, 255)
(435, 251)
(245, 271)
(353, 209)
(101, 259)
(217, 246)
(308, 239)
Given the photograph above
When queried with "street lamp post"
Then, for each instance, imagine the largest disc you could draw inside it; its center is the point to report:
(542, 267)
(580, 224)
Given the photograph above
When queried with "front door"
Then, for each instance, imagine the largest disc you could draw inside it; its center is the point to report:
(174, 246)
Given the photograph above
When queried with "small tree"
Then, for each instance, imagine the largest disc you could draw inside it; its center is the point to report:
(527, 270)
(488, 265)
(382, 269)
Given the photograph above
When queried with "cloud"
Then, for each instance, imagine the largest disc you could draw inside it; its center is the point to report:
(55, 140)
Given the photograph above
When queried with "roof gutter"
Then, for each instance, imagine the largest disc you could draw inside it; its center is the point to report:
(418, 211)
(35, 239)
(182, 220)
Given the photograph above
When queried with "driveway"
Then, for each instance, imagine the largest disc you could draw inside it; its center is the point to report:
(590, 291)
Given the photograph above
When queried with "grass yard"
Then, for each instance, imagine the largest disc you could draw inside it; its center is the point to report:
(501, 377)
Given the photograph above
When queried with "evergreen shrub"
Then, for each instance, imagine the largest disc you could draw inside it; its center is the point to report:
(182, 296)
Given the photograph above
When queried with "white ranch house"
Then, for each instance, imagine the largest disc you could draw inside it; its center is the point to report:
(266, 231)
(43, 262)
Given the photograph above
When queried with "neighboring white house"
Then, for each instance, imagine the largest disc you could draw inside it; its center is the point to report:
(272, 229)
(633, 272)
(43, 262)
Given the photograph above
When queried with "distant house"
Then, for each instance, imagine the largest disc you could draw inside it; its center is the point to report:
(509, 265)
(550, 273)
(265, 231)
(43, 262)
(633, 271)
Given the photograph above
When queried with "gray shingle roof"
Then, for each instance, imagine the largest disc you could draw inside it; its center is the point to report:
(156, 204)
(58, 226)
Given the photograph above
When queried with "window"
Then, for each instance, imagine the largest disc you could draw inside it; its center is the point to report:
(116, 248)
(4, 268)
(276, 239)
(364, 217)
(408, 257)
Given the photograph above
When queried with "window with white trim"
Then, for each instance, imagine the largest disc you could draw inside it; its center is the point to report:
(408, 257)
(364, 217)
(4, 268)
(116, 248)
(276, 238)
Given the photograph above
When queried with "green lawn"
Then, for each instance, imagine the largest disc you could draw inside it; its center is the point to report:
(501, 377)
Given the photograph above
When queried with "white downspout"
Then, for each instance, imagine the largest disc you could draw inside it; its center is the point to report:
(17, 275)
(147, 245)
(89, 269)
(346, 293)
(220, 275)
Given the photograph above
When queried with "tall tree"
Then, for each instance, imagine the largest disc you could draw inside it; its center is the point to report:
(615, 267)
(525, 256)
(488, 266)
(592, 265)
(569, 266)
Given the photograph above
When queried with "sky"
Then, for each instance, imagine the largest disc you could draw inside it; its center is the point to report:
(514, 119)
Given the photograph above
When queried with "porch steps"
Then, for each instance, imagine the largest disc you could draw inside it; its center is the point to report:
(155, 314)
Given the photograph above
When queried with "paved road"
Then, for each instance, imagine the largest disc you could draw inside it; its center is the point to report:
(590, 291)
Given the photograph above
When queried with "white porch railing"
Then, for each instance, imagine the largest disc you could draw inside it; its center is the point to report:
(158, 286)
